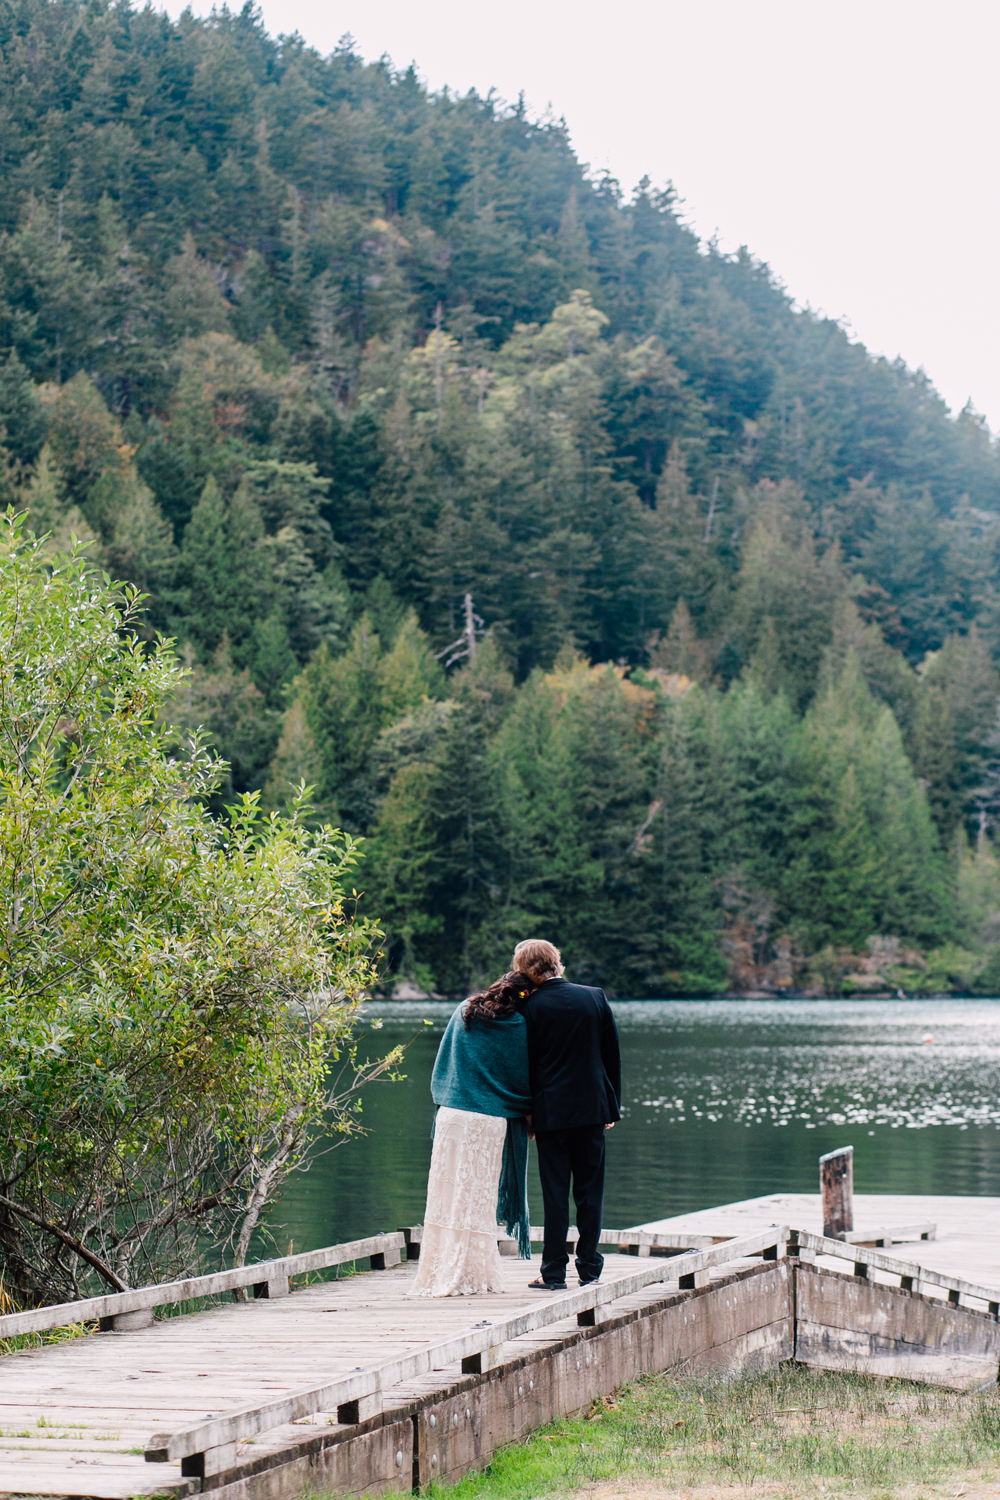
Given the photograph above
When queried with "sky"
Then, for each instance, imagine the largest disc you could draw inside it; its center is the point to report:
(852, 146)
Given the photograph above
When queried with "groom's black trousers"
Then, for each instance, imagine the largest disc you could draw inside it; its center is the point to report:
(562, 1155)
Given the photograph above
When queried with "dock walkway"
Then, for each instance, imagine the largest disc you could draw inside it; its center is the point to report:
(966, 1244)
(85, 1416)
(92, 1403)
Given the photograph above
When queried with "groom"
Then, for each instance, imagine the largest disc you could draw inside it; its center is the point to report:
(575, 1071)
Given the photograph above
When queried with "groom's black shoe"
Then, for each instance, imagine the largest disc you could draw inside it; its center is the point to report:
(547, 1286)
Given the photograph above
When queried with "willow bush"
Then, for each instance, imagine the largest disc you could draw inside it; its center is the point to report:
(178, 993)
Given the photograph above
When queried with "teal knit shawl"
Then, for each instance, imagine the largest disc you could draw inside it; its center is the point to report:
(485, 1070)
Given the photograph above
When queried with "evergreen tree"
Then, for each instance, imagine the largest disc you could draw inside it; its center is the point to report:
(850, 886)
(910, 555)
(887, 673)
(967, 681)
(350, 699)
(978, 896)
(226, 572)
(680, 652)
(192, 302)
(86, 443)
(139, 546)
(786, 595)
(686, 557)
(756, 777)
(273, 662)
(686, 901)
(23, 426)
(935, 760)
(226, 705)
(48, 512)
(576, 789)
(296, 763)
(902, 886)
(470, 885)
(403, 852)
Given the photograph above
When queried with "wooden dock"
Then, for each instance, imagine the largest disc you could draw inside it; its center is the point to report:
(76, 1416)
(353, 1386)
(966, 1243)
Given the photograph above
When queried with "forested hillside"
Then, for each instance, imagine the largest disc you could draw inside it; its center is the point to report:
(310, 355)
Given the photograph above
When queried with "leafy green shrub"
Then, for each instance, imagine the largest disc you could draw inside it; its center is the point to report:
(177, 994)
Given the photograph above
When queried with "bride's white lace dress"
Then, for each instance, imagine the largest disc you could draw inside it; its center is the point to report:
(458, 1251)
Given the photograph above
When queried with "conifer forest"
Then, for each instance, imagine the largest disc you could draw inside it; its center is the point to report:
(600, 591)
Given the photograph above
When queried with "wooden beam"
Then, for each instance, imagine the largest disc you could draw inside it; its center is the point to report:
(265, 1274)
(645, 1242)
(636, 1240)
(843, 1323)
(908, 1271)
(903, 1234)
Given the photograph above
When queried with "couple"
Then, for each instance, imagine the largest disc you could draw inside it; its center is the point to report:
(531, 1057)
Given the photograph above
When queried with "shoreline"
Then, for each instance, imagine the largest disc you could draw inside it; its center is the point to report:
(397, 998)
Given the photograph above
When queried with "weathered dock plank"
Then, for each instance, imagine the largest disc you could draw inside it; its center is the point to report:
(184, 1369)
(474, 1348)
(268, 1280)
(850, 1323)
(378, 1461)
(745, 1318)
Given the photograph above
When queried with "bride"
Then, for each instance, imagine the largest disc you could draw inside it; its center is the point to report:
(479, 1164)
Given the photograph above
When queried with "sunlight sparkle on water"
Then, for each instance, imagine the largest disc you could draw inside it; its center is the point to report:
(842, 1063)
(722, 1100)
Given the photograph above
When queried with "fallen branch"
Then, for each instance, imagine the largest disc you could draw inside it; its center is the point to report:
(70, 1240)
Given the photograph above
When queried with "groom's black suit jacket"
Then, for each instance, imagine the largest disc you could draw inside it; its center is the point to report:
(573, 1057)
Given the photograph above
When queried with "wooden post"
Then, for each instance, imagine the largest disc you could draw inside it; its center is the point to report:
(275, 1286)
(122, 1322)
(383, 1259)
(836, 1185)
(350, 1413)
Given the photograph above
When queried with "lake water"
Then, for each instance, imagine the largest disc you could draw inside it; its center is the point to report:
(722, 1099)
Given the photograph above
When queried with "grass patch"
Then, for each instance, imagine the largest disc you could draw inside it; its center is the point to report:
(790, 1432)
(36, 1340)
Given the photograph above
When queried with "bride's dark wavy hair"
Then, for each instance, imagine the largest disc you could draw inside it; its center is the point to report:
(502, 999)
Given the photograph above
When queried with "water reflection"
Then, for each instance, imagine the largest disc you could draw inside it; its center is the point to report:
(722, 1100)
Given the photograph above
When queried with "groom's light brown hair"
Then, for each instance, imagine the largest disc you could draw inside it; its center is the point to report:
(538, 959)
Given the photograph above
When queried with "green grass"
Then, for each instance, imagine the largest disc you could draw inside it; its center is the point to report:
(792, 1431)
(50, 1336)
(36, 1340)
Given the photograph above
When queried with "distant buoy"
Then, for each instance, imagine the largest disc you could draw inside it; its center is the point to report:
(928, 1039)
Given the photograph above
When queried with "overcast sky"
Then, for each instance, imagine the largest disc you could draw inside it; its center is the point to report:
(853, 146)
